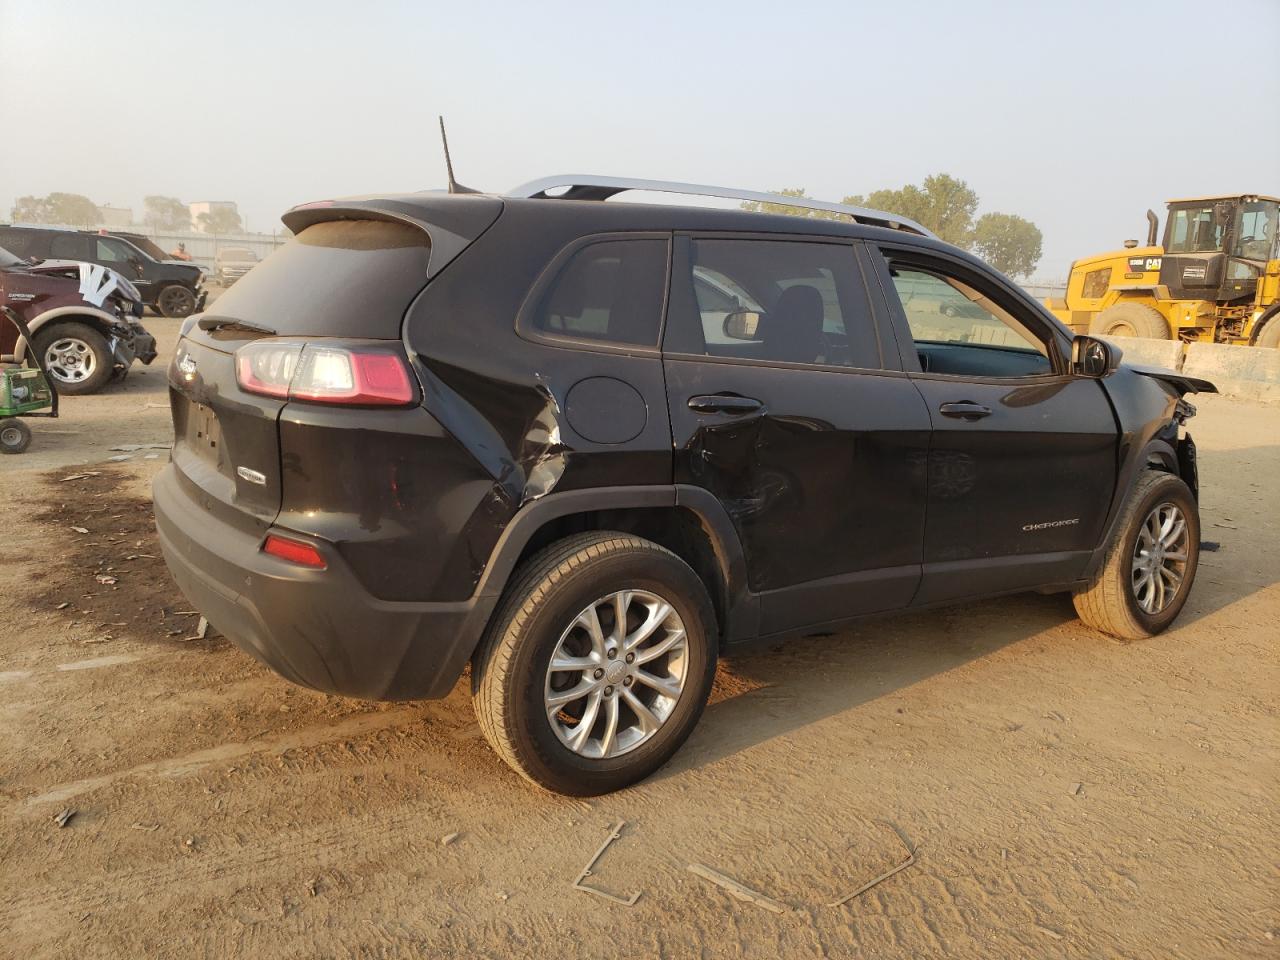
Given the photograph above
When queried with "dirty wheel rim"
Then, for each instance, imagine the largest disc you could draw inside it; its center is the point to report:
(616, 674)
(1160, 558)
(176, 302)
(70, 360)
(10, 437)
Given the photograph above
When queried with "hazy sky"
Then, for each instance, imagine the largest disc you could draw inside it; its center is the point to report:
(1077, 116)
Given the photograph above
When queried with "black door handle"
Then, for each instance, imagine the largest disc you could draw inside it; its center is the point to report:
(724, 403)
(965, 410)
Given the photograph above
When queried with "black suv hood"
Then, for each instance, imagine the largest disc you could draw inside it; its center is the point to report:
(1180, 382)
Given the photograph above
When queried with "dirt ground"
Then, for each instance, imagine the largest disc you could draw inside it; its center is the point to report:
(1066, 795)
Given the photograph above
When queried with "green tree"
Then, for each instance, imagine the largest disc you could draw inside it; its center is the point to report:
(166, 213)
(220, 220)
(72, 209)
(1008, 242)
(941, 203)
(758, 206)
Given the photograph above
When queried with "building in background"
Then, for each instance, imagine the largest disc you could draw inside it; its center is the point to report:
(115, 217)
(210, 206)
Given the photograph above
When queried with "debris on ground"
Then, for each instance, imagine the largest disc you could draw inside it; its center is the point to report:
(578, 883)
(63, 818)
(1210, 546)
(80, 529)
(448, 838)
(736, 889)
(911, 859)
(106, 579)
(135, 447)
(1075, 788)
(80, 476)
(202, 630)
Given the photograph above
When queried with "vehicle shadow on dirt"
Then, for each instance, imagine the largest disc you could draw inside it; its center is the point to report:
(766, 693)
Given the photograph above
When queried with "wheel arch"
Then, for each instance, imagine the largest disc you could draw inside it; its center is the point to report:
(100, 320)
(686, 520)
(1271, 315)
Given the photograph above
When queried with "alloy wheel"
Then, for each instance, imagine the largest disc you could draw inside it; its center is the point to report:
(1160, 558)
(616, 674)
(70, 360)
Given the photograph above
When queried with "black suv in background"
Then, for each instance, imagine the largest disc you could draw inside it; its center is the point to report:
(172, 288)
(588, 447)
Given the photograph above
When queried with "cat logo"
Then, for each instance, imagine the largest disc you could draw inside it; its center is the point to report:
(1144, 264)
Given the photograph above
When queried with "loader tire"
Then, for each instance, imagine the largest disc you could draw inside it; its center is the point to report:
(1131, 320)
(1269, 335)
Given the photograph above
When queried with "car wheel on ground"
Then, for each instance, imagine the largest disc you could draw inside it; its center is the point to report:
(176, 301)
(75, 355)
(1148, 570)
(1131, 320)
(597, 665)
(15, 435)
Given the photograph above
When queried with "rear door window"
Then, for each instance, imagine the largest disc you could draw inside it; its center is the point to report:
(787, 301)
(341, 278)
(71, 246)
(609, 291)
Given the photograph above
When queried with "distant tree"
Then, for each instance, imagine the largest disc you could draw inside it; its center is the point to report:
(220, 220)
(942, 203)
(72, 209)
(1008, 242)
(757, 206)
(166, 213)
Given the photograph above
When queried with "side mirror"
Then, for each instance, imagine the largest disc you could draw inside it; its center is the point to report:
(742, 325)
(1093, 358)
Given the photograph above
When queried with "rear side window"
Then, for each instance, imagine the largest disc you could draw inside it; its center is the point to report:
(610, 291)
(70, 246)
(787, 301)
(342, 278)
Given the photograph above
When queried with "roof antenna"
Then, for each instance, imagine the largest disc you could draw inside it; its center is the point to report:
(454, 185)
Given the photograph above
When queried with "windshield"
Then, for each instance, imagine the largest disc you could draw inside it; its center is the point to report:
(7, 259)
(1194, 230)
(236, 253)
(1255, 230)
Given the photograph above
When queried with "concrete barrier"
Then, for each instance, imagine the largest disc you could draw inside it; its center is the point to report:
(1140, 352)
(1249, 372)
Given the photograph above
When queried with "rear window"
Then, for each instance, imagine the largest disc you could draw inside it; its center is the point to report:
(609, 291)
(344, 278)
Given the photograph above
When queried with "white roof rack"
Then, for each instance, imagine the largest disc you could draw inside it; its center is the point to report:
(594, 187)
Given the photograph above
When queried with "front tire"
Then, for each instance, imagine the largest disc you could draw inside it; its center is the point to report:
(1269, 335)
(15, 436)
(597, 664)
(1148, 570)
(76, 357)
(1131, 320)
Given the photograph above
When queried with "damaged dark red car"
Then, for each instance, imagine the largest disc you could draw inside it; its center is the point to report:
(84, 320)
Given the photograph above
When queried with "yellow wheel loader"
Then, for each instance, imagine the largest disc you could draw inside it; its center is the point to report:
(1216, 277)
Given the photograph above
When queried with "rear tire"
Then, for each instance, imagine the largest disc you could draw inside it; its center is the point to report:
(176, 301)
(552, 601)
(76, 357)
(1131, 320)
(1269, 335)
(1113, 600)
(15, 436)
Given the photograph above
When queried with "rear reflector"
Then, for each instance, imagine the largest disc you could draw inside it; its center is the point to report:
(295, 551)
(355, 374)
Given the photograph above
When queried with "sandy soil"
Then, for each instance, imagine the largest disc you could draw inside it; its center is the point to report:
(1067, 795)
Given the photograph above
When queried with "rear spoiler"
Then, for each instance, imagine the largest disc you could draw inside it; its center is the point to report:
(452, 222)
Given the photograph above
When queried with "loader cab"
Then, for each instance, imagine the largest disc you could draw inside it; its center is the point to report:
(1216, 248)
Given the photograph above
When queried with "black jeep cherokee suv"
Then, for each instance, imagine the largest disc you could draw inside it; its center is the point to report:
(587, 447)
(169, 287)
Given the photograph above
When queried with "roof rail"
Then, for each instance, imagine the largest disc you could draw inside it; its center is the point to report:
(594, 187)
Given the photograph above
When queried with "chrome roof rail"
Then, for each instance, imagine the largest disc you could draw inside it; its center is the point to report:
(594, 187)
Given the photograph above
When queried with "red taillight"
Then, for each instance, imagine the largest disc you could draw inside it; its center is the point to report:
(295, 551)
(323, 373)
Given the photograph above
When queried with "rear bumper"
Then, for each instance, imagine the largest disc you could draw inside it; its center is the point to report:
(318, 628)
